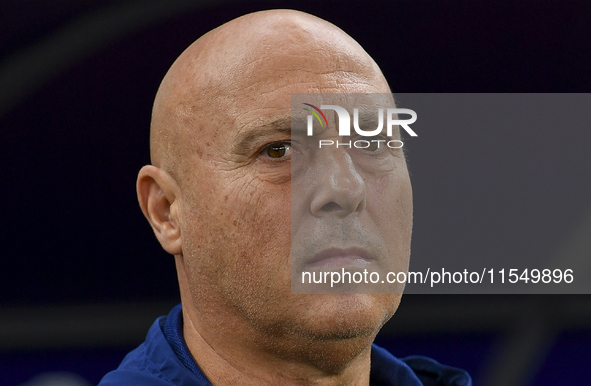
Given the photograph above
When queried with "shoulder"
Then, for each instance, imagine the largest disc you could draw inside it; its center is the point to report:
(138, 367)
(386, 370)
(153, 363)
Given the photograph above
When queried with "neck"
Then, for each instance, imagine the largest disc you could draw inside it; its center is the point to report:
(226, 358)
(231, 352)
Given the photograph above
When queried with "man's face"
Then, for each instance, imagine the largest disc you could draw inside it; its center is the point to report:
(238, 202)
(351, 209)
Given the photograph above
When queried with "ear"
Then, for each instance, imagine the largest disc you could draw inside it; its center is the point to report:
(158, 195)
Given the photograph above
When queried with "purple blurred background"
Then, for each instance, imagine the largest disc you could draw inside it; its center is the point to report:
(83, 277)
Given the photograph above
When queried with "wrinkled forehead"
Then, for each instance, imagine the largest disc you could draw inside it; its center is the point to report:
(241, 75)
(264, 93)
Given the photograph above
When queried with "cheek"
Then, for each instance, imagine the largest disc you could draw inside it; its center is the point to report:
(238, 237)
(390, 203)
(391, 192)
(258, 218)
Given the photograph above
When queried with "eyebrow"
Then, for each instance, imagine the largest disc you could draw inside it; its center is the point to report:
(367, 118)
(245, 142)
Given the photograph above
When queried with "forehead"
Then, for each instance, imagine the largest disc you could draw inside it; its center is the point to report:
(266, 95)
(244, 81)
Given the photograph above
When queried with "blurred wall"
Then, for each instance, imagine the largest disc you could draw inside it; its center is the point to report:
(83, 277)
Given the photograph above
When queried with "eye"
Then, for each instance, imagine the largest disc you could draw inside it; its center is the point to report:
(373, 146)
(376, 144)
(277, 150)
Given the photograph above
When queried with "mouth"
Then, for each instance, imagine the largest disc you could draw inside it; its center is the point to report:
(335, 258)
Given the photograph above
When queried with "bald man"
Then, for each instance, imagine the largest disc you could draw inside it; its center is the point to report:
(218, 196)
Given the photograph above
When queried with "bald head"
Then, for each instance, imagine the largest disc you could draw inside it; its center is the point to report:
(219, 198)
(219, 79)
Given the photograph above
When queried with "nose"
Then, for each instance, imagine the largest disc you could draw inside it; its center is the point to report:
(339, 189)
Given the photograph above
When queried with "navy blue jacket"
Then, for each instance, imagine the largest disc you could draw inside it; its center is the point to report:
(164, 360)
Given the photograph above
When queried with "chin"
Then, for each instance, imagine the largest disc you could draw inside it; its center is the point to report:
(349, 316)
(333, 330)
